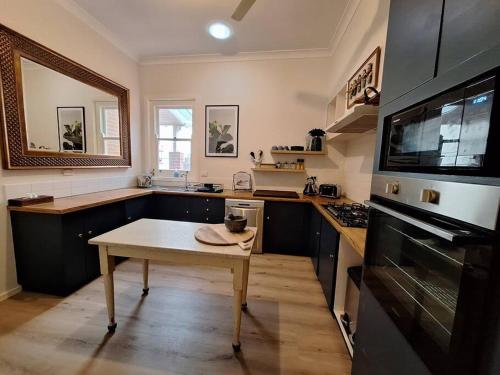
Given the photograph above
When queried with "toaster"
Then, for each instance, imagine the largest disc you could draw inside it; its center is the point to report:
(329, 190)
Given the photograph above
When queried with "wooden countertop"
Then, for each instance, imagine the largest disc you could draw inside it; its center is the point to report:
(355, 236)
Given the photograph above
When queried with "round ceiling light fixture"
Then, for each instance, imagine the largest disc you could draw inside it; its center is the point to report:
(220, 30)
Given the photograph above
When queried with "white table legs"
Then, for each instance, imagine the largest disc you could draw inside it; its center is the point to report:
(237, 300)
(145, 273)
(107, 263)
(246, 268)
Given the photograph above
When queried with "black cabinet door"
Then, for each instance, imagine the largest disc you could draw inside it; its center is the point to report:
(39, 253)
(328, 255)
(76, 251)
(314, 237)
(285, 226)
(411, 47)
(469, 28)
(138, 208)
(100, 220)
(171, 207)
(207, 210)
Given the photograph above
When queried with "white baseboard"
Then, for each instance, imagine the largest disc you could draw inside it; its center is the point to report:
(10, 293)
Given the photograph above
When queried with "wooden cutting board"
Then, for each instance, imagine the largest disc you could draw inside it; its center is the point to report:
(217, 234)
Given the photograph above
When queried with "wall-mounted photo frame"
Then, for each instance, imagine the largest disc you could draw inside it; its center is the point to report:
(221, 130)
(71, 125)
(365, 76)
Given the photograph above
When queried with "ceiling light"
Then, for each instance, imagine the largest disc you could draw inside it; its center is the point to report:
(220, 30)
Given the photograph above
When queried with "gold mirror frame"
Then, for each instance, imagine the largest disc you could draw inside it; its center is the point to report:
(15, 151)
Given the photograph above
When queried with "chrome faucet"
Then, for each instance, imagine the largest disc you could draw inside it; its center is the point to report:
(185, 175)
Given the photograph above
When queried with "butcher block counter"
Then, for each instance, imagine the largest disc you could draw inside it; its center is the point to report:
(354, 236)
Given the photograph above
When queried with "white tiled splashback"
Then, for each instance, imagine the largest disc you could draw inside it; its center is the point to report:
(63, 188)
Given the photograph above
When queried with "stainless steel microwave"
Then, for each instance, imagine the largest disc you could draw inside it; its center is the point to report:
(456, 133)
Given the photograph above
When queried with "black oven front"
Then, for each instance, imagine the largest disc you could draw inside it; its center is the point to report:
(430, 275)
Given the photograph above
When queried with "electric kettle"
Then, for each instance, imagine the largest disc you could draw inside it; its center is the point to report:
(311, 188)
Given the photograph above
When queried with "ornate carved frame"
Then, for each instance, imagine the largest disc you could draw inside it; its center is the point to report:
(15, 151)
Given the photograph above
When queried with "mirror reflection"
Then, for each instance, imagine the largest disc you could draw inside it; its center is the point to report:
(63, 114)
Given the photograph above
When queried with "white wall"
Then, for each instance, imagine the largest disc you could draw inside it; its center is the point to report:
(366, 31)
(280, 100)
(48, 23)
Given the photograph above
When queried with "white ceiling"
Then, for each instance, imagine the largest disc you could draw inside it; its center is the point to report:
(150, 29)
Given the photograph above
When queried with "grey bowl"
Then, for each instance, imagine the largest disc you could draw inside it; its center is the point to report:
(235, 224)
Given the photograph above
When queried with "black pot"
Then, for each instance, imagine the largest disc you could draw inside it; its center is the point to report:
(316, 144)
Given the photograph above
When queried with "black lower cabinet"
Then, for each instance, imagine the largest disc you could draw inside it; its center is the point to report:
(183, 208)
(285, 228)
(327, 261)
(139, 208)
(314, 237)
(380, 347)
(52, 251)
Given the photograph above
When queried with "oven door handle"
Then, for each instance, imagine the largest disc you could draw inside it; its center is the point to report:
(440, 232)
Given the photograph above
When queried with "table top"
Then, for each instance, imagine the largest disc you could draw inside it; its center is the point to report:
(174, 236)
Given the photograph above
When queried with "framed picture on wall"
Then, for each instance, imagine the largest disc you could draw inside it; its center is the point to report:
(221, 130)
(365, 76)
(71, 126)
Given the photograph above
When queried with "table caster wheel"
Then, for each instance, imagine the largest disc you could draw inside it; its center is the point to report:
(244, 307)
(237, 347)
(145, 291)
(112, 328)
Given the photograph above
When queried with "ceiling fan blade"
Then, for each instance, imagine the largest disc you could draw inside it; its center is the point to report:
(242, 9)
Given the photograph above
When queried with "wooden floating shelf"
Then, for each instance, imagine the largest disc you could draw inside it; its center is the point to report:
(288, 152)
(279, 170)
(358, 119)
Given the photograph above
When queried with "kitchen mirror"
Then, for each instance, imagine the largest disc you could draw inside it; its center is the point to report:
(55, 113)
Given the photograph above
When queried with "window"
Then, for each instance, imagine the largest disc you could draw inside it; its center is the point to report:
(108, 137)
(173, 129)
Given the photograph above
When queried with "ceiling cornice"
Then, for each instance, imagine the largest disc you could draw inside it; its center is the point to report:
(345, 20)
(241, 56)
(97, 26)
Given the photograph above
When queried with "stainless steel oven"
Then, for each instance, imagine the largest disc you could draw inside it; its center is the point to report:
(431, 276)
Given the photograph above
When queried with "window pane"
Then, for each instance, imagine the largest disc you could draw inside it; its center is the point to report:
(175, 122)
(112, 147)
(174, 155)
(111, 126)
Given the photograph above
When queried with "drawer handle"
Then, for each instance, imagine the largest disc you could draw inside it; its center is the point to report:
(318, 233)
(129, 218)
(187, 212)
(267, 218)
(208, 209)
(80, 235)
(332, 256)
(89, 232)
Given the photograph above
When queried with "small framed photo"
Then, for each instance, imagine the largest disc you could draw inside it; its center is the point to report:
(71, 126)
(242, 181)
(365, 76)
(221, 130)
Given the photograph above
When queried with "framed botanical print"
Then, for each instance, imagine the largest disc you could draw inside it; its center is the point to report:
(71, 123)
(221, 130)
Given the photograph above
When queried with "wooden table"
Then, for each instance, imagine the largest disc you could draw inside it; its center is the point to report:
(171, 241)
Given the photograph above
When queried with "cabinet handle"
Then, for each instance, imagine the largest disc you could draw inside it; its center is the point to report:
(207, 218)
(318, 233)
(187, 212)
(80, 235)
(208, 200)
(267, 218)
(208, 209)
(89, 232)
(332, 256)
(129, 218)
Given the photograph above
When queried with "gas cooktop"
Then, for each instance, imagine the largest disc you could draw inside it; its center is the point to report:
(349, 215)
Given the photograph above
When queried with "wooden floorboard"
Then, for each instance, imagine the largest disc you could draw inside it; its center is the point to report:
(183, 326)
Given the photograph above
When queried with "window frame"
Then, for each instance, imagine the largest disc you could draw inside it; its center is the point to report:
(156, 105)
